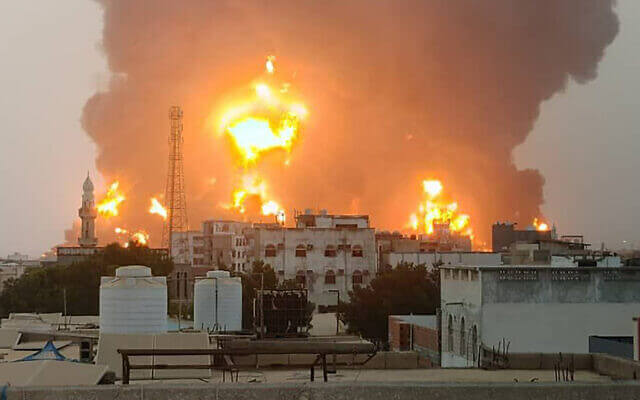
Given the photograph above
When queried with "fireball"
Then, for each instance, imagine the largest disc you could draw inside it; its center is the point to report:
(140, 237)
(266, 119)
(263, 121)
(540, 226)
(108, 206)
(435, 210)
(157, 208)
(253, 188)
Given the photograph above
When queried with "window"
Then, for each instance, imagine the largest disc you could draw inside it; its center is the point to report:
(356, 251)
(474, 342)
(463, 341)
(356, 278)
(270, 250)
(301, 250)
(301, 278)
(330, 251)
(450, 334)
(330, 277)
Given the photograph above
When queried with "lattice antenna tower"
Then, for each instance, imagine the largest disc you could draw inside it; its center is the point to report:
(174, 195)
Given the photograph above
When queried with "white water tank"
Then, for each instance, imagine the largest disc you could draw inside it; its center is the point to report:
(133, 301)
(217, 303)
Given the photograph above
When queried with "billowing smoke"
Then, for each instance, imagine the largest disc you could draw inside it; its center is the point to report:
(397, 91)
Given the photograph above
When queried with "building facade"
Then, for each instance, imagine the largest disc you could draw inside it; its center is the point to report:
(220, 243)
(533, 309)
(328, 255)
(504, 234)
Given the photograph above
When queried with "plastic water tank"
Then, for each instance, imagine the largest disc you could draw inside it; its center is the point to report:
(217, 303)
(133, 301)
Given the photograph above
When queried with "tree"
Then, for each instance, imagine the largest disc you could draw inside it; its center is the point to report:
(404, 290)
(44, 290)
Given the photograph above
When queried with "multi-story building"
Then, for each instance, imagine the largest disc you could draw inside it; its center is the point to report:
(534, 309)
(394, 248)
(326, 254)
(504, 234)
(221, 243)
(188, 248)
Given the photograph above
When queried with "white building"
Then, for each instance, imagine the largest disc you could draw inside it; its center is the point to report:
(535, 309)
(430, 259)
(228, 244)
(327, 254)
(188, 248)
(219, 243)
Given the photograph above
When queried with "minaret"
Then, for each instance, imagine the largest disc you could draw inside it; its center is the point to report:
(88, 216)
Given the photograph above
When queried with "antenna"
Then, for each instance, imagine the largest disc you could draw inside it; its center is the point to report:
(174, 196)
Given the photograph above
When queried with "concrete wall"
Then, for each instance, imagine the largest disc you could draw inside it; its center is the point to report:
(536, 309)
(554, 327)
(461, 300)
(315, 265)
(338, 391)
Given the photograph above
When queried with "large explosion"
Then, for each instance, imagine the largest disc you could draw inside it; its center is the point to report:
(399, 91)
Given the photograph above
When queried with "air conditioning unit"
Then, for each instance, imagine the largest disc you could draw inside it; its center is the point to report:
(281, 272)
(365, 272)
(280, 246)
(309, 272)
(340, 271)
(309, 246)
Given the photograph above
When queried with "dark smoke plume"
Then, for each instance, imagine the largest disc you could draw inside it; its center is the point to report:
(398, 91)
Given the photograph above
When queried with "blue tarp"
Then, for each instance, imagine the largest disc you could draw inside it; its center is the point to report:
(48, 352)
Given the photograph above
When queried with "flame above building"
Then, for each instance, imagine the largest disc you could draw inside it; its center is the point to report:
(437, 210)
(539, 225)
(264, 121)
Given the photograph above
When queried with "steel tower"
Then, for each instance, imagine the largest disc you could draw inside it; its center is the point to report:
(174, 196)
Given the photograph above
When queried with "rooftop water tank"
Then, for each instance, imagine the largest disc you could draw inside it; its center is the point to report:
(133, 301)
(217, 303)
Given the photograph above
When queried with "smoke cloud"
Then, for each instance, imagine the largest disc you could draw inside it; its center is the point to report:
(397, 91)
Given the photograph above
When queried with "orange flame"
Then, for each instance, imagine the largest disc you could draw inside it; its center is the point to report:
(253, 186)
(540, 226)
(266, 120)
(157, 208)
(269, 65)
(140, 237)
(436, 211)
(108, 207)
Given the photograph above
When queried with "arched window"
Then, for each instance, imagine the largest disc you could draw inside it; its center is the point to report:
(463, 341)
(450, 334)
(301, 250)
(330, 251)
(330, 277)
(356, 278)
(474, 342)
(270, 250)
(301, 278)
(356, 251)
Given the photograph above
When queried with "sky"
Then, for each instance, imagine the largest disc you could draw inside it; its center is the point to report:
(585, 142)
